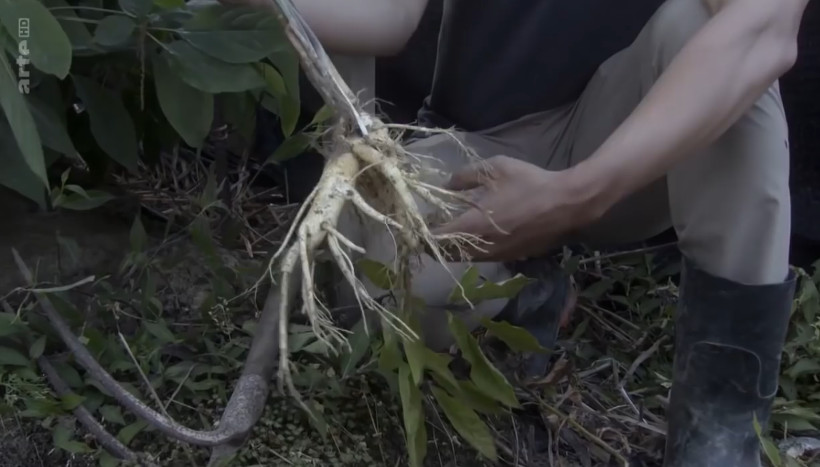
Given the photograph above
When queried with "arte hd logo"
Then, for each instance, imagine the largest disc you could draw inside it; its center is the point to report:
(23, 53)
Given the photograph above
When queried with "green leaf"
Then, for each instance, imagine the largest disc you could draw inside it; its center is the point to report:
(12, 357)
(235, 34)
(10, 324)
(290, 148)
(37, 348)
(138, 8)
(127, 433)
(323, 114)
(287, 105)
(169, 4)
(106, 459)
(476, 293)
(21, 121)
(803, 366)
(768, 446)
(467, 423)
(208, 74)
(189, 110)
(160, 331)
(516, 338)
(51, 127)
(39, 36)
(414, 351)
(389, 357)
(111, 124)
(359, 343)
(479, 401)
(379, 274)
(112, 414)
(91, 200)
(137, 236)
(486, 376)
(413, 415)
(71, 401)
(114, 30)
(81, 39)
(69, 374)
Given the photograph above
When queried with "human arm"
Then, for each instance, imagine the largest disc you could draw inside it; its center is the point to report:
(356, 27)
(716, 77)
(721, 71)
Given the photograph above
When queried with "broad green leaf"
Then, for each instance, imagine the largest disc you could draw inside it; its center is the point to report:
(479, 401)
(81, 39)
(160, 331)
(91, 200)
(323, 114)
(439, 366)
(235, 34)
(16, 174)
(414, 351)
(769, 448)
(127, 433)
(107, 460)
(112, 414)
(286, 105)
(379, 274)
(390, 357)
(486, 377)
(290, 148)
(69, 374)
(51, 127)
(209, 74)
(476, 293)
(12, 357)
(21, 121)
(37, 348)
(39, 36)
(71, 401)
(802, 367)
(137, 236)
(10, 324)
(189, 110)
(138, 8)
(359, 343)
(169, 4)
(516, 338)
(287, 62)
(114, 30)
(111, 124)
(62, 439)
(467, 423)
(413, 415)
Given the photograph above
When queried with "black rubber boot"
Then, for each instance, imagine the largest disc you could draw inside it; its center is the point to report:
(729, 338)
(542, 308)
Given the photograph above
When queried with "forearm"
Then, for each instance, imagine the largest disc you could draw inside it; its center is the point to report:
(357, 27)
(712, 81)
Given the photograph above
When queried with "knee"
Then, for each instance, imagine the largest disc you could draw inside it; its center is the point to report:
(674, 23)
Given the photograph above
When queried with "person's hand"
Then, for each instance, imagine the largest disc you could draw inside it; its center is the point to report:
(535, 208)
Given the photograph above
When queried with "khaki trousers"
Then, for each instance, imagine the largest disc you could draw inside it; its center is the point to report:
(729, 204)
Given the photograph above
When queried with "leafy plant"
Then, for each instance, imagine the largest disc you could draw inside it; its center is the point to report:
(103, 81)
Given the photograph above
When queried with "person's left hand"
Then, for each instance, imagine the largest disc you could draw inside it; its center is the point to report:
(536, 208)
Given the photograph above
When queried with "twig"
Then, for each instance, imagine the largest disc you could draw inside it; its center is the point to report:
(567, 419)
(86, 418)
(164, 424)
(642, 358)
(619, 254)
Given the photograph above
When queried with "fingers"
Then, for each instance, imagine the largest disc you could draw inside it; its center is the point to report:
(473, 175)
